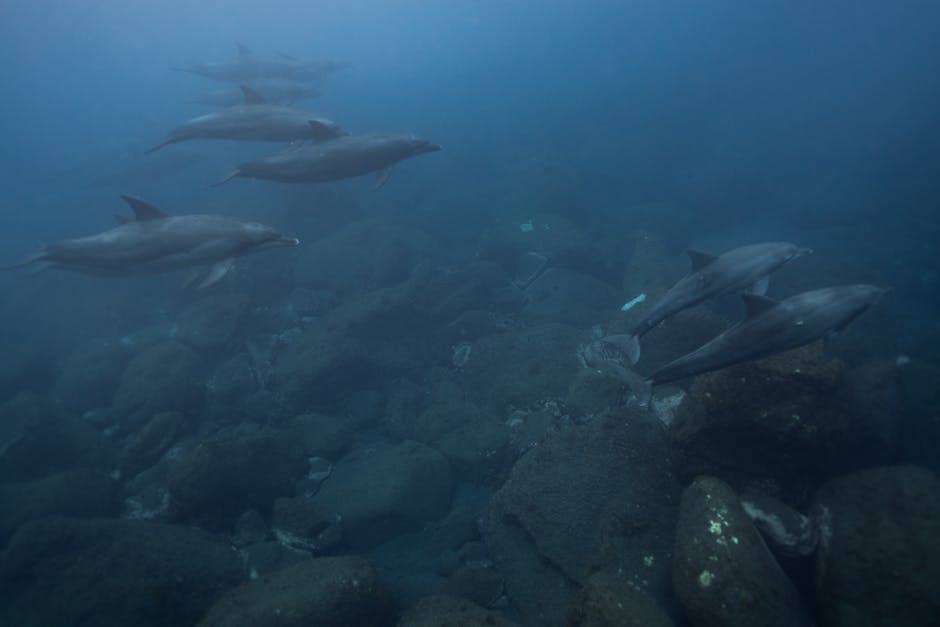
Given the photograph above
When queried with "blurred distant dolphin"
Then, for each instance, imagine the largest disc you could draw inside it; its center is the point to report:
(339, 158)
(770, 327)
(738, 269)
(272, 90)
(255, 120)
(152, 242)
(248, 66)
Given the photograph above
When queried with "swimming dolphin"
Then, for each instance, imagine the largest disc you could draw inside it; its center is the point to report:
(152, 242)
(747, 267)
(273, 90)
(255, 120)
(770, 327)
(248, 66)
(343, 157)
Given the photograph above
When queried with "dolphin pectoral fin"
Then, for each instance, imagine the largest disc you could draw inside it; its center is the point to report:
(761, 285)
(158, 146)
(252, 97)
(216, 273)
(228, 177)
(699, 259)
(382, 176)
(628, 344)
(121, 219)
(142, 209)
(242, 49)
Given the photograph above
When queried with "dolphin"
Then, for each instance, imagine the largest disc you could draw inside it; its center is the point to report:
(248, 66)
(339, 158)
(153, 241)
(736, 270)
(256, 120)
(273, 90)
(770, 327)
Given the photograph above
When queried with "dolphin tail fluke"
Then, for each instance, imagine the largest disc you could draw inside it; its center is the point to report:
(628, 344)
(228, 177)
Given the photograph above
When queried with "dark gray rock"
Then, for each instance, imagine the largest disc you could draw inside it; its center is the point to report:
(145, 447)
(521, 368)
(323, 435)
(384, 491)
(210, 323)
(723, 573)
(89, 376)
(166, 376)
(300, 525)
(78, 493)
(611, 600)
(250, 528)
(446, 611)
(234, 471)
(569, 297)
(263, 558)
(591, 496)
(104, 573)
(326, 592)
(878, 561)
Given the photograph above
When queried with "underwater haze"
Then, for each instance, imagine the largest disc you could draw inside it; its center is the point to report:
(504, 312)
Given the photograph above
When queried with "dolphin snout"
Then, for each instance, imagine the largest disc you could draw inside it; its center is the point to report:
(802, 252)
(434, 147)
(288, 241)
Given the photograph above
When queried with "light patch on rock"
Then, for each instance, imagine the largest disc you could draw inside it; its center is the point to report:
(666, 407)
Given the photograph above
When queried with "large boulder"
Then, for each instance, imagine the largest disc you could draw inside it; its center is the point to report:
(79, 493)
(569, 297)
(590, 496)
(610, 600)
(210, 323)
(450, 611)
(326, 592)
(878, 561)
(383, 491)
(723, 573)
(234, 471)
(89, 376)
(111, 573)
(166, 376)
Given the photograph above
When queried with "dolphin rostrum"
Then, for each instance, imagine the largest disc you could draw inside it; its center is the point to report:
(746, 267)
(343, 157)
(153, 241)
(256, 120)
(770, 327)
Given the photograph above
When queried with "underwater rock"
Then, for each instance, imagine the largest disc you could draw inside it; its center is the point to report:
(560, 295)
(36, 440)
(79, 493)
(146, 446)
(262, 558)
(383, 491)
(440, 610)
(326, 592)
(519, 368)
(24, 367)
(233, 471)
(611, 507)
(786, 531)
(875, 402)
(362, 256)
(299, 525)
(776, 418)
(323, 435)
(610, 600)
(231, 389)
(64, 571)
(90, 374)
(878, 561)
(920, 428)
(722, 572)
(166, 376)
(211, 322)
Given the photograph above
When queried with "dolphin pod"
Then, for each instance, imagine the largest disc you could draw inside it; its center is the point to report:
(152, 241)
(747, 267)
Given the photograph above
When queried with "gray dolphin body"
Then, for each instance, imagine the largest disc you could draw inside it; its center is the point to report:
(770, 327)
(155, 242)
(272, 90)
(254, 121)
(339, 158)
(248, 66)
(746, 267)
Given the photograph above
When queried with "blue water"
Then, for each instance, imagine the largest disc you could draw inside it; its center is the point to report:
(706, 124)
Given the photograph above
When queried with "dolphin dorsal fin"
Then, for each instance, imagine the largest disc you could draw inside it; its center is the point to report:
(699, 259)
(243, 50)
(252, 97)
(324, 129)
(757, 304)
(143, 210)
